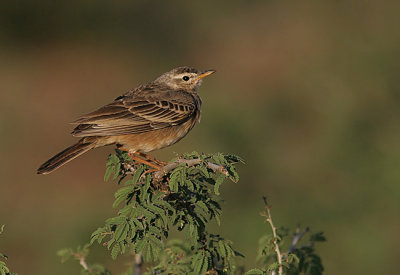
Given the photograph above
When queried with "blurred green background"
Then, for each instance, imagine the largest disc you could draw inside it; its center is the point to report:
(306, 91)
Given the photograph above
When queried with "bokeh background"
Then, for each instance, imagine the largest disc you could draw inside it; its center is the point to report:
(307, 92)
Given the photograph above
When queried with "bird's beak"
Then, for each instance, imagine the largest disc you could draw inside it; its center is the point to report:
(204, 74)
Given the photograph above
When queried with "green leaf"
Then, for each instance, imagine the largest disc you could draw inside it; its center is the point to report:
(113, 159)
(159, 211)
(233, 175)
(205, 263)
(138, 224)
(255, 271)
(148, 255)
(216, 159)
(221, 249)
(157, 196)
(118, 201)
(113, 166)
(121, 195)
(155, 230)
(145, 188)
(173, 182)
(3, 268)
(140, 245)
(121, 232)
(197, 262)
(108, 173)
(110, 243)
(202, 205)
(218, 220)
(98, 235)
(156, 242)
(204, 171)
(124, 191)
(189, 184)
(125, 211)
(116, 220)
(137, 175)
(164, 204)
(65, 254)
(229, 250)
(140, 210)
(273, 266)
(218, 183)
(115, 251)
(292, 257)
(318, 237)
(117, 169)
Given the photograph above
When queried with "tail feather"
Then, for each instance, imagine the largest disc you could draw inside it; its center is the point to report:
(65, 156)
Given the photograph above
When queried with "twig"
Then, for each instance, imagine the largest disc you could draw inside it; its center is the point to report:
(137, 264)
(83, 262)
(273, 228)
(189, 162)
(130, 168)
(296, 238)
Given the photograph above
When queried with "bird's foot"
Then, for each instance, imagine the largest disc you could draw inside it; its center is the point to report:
(145, 159)
(150, 171)
(138, 159)
(148, 157)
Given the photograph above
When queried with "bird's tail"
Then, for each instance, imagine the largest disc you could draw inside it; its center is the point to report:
(67, 155)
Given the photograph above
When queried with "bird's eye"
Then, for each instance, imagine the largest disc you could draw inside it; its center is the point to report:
(186, 78)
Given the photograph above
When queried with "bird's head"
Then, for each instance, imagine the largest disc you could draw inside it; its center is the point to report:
(184, 78)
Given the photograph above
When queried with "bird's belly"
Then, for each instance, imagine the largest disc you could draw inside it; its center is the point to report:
(150, 141)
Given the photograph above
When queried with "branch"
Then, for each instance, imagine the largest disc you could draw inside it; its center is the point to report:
(83, 262)
(189, 162)
(296, 238)
(137, 264)
(273, 228)
(130, 168)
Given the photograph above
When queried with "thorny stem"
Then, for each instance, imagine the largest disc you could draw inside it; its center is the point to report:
(137, 264)
(83, 262)
(273, 228)
(189, 162)
(296, 238)
(129, 167)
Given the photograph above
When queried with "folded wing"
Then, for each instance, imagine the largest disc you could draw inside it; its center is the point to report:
(138, 113)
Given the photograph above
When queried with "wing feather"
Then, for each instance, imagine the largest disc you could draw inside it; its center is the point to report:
(138, 112)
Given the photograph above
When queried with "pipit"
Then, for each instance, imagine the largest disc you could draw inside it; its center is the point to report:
(150, 117)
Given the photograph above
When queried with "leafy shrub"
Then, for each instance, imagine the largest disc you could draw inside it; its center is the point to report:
(184, 195)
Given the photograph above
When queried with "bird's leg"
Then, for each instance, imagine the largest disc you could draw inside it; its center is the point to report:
(143, 161)
(148, 157)
(121, 148)
(149, 171)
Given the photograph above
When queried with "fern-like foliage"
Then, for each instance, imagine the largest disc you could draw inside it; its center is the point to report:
(184, 194)
(175, 259)
(80, 254)
(297, 256)
(4, 270)
(309, 262)
(185, 197)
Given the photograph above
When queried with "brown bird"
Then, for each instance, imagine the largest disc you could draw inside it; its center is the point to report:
(150, 117)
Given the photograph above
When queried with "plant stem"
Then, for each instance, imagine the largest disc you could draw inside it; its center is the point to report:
(296, 238)
(83, 263)
(189, 162)
(137, 264)
(273, 228)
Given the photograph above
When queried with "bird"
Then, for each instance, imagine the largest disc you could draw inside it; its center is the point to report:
(150, 117)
